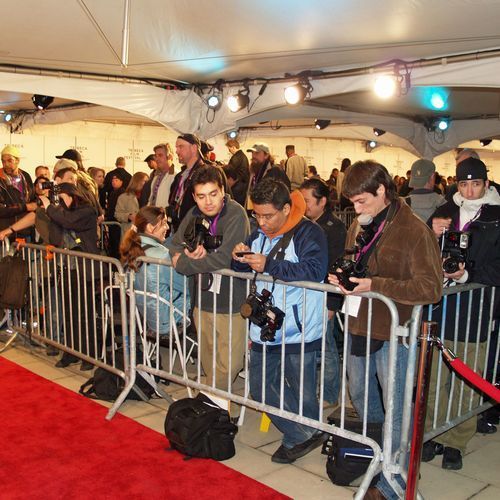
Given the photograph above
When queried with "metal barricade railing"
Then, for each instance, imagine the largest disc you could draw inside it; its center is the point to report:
(73, 306)
(347, 216)
(466, 325)
(205, 317)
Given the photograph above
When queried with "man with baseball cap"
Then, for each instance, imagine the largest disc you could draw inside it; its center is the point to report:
(422, 199)
(475, 210)
(17, 195)
(262, 165)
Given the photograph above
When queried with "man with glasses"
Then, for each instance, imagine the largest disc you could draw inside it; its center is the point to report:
(288, 247)
(202, 245)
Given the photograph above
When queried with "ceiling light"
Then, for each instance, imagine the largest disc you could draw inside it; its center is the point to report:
(385, 86)
(232, 134)
(214, 101)
(2, 112)
(485, 142)
(296, 94)
(372, 144)
(443, 124)
(8, 117)
(42, 101)
(238, 101)
(321, 124)
(378, 132)
(437, 101)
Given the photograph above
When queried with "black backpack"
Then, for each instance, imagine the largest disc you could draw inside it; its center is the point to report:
(14, 279)
(108, 386)
(197, 427)
(349, 460)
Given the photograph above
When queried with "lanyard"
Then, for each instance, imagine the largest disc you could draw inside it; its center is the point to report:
(467, 225)
(365, 249)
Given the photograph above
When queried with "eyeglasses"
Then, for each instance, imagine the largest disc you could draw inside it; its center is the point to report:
(266, 217)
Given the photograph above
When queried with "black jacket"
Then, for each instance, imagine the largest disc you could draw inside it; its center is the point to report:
(238, 169)
(482, 265)
(107, 189)
(12, 202)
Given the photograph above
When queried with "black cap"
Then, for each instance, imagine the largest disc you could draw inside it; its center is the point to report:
(149, 158)
(470, 169)
(206, 148)
(71, 154)
(191, 138)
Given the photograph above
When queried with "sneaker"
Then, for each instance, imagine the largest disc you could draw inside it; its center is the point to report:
(285, 455)
(485, 427)
(430, 450)
(452, 459)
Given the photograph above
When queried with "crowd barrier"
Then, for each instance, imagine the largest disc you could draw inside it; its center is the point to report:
(347, 216)
(78, 301)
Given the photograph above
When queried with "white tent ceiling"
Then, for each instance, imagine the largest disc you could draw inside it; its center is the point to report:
(75, 51)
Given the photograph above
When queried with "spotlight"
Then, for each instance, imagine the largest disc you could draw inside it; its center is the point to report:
(378, 132)
(214, 101)
(42, 101)
(2, 112)
(437, 101)
(485, 142)
(232, 134)
(442, 124)
(296, 94)
(370, 146)
(238, 101)
(8, 117)
(385, 86)
(321, 124)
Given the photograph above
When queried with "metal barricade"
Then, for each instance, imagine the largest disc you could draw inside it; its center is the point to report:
(208, 336)
(347, 216)
(77, 301)
(466, 319)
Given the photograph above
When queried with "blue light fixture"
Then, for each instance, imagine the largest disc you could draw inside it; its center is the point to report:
(437, 101)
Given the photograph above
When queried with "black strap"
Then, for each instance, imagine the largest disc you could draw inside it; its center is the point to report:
(279, 249)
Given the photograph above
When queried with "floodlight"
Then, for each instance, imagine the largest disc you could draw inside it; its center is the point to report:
(296, 94)
(385, 86)
(42, 101)
(214, 101)
(232, 134)
(321, 124)
(238, 101)
(485, 142)
(378, 132)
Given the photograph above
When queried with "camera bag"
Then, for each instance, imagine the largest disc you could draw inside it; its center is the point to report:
(197, 427)
(348, 460)
(14, 279)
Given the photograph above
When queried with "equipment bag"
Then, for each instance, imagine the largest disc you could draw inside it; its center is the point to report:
(108, 386)
(14, 278)
(348, 460)
(197, 427)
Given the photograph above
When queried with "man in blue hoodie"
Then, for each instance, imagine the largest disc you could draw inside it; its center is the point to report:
(288, 247)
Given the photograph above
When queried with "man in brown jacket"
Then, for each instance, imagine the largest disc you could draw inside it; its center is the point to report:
(402, 261)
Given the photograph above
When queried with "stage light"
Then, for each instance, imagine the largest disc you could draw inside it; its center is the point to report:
(437, 101)
(372, 144)
(321, 124)
(485, 142)
(238, 101)
(42, 101)
(378, 132)
(296, 94)
(443, 124)
(385, 86)
(232, 134)
(7, 117)
(214, 101)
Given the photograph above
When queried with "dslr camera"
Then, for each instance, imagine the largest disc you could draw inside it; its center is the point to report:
(259, 309)
(455, 246)
(198, 233)
(348, 269)
(54, 190)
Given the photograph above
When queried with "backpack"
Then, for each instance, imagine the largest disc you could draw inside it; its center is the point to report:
(14, 278)
(107, 386)
(348, 460)
(197, 427)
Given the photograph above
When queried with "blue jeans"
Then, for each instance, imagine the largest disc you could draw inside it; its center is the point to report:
(377, 394)
(332, 364)
(293, 433)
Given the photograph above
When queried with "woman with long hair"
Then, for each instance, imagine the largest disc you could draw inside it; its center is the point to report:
(128, 202)
(145, 239)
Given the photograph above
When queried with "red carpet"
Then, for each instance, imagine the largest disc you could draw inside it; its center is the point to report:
(56, 444)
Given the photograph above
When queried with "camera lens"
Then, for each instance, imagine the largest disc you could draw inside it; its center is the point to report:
(246, 310)
(451, 265)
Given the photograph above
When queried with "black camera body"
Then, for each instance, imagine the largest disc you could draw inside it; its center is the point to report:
(348, 269)
(198, 233)
(54, 190)
(455, 250)
(259, 309)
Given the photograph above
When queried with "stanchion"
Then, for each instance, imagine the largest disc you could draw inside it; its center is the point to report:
(429, 331)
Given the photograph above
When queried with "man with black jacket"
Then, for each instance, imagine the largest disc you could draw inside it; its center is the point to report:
(237, 171)
(475, 209)
(17, 196)
(316, 195)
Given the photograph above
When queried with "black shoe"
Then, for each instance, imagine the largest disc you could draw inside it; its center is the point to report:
(430, 450)
(288, 455)
(452, 459)
(86, 366)
(52, 351)
(66, 360)
(485, 427)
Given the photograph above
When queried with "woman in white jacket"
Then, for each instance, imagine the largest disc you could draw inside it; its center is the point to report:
(128, 202)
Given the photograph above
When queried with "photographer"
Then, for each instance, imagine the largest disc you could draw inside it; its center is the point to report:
(201, 245)
(73, 225)
(289, 247)
(400, 258)
(470, 220)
